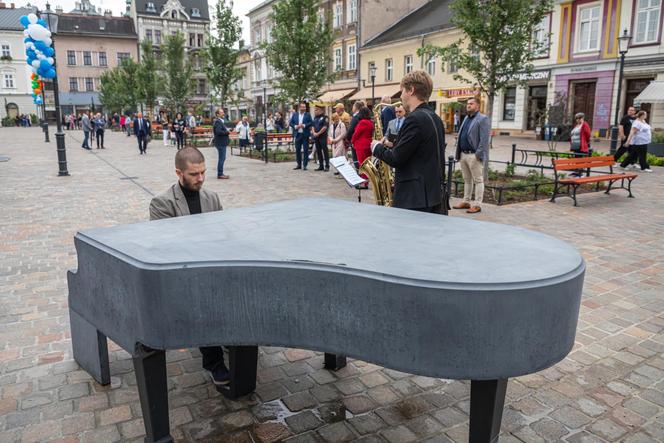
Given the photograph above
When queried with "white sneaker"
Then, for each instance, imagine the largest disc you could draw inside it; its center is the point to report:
(631, 167)
(646, 170)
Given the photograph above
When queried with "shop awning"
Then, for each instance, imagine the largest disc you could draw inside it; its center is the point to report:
(335, 96)
(379, 91)
(654, 93)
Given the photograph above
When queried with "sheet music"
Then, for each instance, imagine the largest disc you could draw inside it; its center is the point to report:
(347, 171)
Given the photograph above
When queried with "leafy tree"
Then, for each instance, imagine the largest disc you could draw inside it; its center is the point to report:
(220, 55)
(177, 73)
(299, 49)
(110, 92)
(148, 79)
(497, 44)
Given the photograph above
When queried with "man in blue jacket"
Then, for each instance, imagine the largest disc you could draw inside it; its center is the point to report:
(221, 142)
(301, 123)
(142, 131)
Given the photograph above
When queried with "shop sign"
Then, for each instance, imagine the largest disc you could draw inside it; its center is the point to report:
(536, 75)
(584, 68)
(460, 92)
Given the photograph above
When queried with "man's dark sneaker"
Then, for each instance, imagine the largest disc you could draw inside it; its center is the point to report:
(221, 377)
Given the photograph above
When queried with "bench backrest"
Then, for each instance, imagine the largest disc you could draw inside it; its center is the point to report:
(566, 164)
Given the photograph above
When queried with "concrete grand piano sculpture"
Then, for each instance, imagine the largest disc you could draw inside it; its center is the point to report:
(424, 294)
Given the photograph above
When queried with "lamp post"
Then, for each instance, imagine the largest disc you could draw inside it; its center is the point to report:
(372, 74)
(623, 47)
(52, 20)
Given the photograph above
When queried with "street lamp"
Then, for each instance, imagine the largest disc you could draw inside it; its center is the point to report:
(52, 20)
(372, 74)
(623, 47)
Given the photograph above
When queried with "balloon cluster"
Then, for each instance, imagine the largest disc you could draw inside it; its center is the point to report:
(37, 88)
(38, 46)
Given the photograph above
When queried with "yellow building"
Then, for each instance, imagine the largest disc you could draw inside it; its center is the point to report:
(394, 54)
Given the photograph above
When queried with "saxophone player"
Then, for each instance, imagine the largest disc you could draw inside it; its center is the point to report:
(419, 151)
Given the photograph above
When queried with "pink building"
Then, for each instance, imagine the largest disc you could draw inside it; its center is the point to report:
(86, 46)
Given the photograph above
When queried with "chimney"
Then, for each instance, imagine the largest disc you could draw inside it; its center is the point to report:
(3, 6)
(13, 5)
(241, 43)
(108, 13)
(58, 9)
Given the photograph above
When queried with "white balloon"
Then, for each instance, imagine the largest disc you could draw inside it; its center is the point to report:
(26, 33)
(38, 32)
(41, 56)
(51, 60)
(48, 42)
(34, 69)
(35, 64)
(32, 18)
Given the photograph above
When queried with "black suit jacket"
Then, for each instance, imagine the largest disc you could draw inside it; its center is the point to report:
(417, 157)
(146, 129)
(220, 133)
(351, 128)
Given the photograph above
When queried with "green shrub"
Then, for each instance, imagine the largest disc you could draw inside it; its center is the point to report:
(509, 170)
(658, 137)
(655, 161)
(8, 121)
(34, 119)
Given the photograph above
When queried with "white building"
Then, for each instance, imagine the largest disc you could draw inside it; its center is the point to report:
(15, 84)
(156, 19)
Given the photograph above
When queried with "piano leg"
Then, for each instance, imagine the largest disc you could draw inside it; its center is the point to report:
(90, 348)
(487, 398)
(334, 362)
(242, 361)
(150, 368)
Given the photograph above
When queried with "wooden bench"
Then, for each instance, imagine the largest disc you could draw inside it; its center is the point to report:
(203, 134)
(588, 163)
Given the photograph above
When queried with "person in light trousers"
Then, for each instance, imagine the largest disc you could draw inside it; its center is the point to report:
(472, 146)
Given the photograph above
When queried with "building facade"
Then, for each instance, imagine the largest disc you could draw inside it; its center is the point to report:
(86, 46)
(261, 88)
(156, 19)
(241, 103)
(581, 67)
(15, 84)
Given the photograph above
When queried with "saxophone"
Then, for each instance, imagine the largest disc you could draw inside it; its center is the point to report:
(378, 172)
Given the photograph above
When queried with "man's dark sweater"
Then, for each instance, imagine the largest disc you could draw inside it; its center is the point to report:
(193, 200)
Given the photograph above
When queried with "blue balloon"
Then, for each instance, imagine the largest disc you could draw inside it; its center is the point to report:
(43, 23)
(44, 64)
(24, 21)
(49, 52)
(41, 45)
(31, 54)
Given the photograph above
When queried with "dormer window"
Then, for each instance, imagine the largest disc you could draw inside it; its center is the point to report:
(150, 7)
(174, 14)
(195, 12)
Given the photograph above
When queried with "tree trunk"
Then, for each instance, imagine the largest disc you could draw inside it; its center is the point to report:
(489, 113)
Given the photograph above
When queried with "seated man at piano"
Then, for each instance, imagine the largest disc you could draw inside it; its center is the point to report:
(187, 197)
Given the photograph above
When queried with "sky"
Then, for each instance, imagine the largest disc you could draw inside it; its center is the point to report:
(240, 7)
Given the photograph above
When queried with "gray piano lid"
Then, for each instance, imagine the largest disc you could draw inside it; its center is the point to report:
(341, 236)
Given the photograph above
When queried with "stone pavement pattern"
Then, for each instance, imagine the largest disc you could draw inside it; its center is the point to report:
(610, 388)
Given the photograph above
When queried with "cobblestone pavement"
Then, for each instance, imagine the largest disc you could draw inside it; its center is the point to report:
(610, 388)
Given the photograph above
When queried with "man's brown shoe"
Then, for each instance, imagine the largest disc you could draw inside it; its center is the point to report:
(474, 210)
(462, 205)
(223, 177)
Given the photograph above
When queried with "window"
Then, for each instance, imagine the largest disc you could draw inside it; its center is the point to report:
(258, 76)
(647, 20)
(150, 7)
(89, 84)
(71, 58)
(352, 11)
(408, 64)
(73, 84)
(6, 51)
(123, 56)
(200, 87)
(389, 74)
(157, 37)
(148, 35)
(87, 58)
(509, 104)
(352, 57)
(259, 35)
(8, 80)
(541, 36)
(102, 59)
(192, 39)
(431, 65)
(268, 33)
(338, 65)
(453, 67)
(195, 12)
(588, 34)
(338, 15)
(199, 40)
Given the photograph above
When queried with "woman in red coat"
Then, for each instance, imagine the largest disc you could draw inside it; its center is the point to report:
(363, 135)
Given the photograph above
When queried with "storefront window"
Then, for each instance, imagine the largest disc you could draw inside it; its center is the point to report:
(509, 104)
(647, 20)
